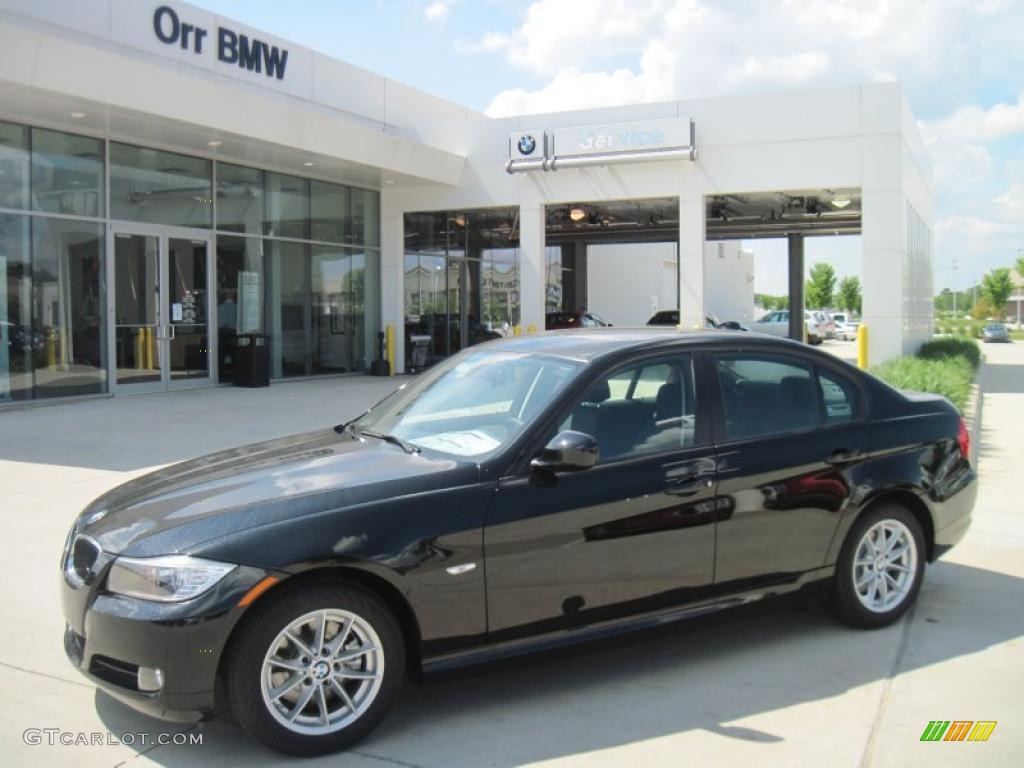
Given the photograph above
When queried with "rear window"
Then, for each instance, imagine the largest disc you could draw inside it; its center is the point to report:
(765, 395)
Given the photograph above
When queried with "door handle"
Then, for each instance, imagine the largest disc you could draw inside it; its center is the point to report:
(842, 456)
(688, 487)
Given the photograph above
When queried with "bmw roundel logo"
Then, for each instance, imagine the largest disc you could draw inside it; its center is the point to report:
(527, 144)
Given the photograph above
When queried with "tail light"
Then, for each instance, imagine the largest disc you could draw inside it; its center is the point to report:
(963, 439)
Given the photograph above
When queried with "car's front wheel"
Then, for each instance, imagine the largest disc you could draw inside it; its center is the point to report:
(880, 568)
(316, 670)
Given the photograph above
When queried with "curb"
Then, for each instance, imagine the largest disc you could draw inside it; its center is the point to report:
(973, 415)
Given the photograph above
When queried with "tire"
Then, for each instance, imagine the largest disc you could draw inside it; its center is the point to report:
(858, 597)
(355, 691)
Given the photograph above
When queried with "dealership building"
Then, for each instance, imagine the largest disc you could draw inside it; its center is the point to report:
(172, 182)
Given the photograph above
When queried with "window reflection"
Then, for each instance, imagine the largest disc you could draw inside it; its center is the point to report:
(159, 187)
(14, 166)
(68, 307)
(67, 173)
(20, 344)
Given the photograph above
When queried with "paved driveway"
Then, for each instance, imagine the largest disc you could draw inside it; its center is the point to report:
(776, 684)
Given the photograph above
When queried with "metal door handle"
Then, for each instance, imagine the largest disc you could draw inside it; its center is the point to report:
(688, 487)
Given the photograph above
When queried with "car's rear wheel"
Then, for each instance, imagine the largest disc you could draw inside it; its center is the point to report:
(880, 568)
(315, 671)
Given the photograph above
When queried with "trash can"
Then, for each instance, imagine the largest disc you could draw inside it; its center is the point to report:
(252, 360)
(418, 348)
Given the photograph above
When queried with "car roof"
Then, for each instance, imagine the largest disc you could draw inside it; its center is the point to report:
(588, 344)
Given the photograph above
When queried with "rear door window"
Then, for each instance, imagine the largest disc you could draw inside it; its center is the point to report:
(838, 398)
(766, 395)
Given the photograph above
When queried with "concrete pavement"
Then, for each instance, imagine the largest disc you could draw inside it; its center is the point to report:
(778, 684)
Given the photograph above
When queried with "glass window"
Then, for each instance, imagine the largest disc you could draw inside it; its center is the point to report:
(159, 187)
(328, 204)
(362, 224)
(287, 206)
(240, 291)
(764, 395)
(553, 278)
(289, 309)
(334, 313)
(473, 404)
(366, 296)
(839, 398)
(67, 307)
(67, 173)
(643, 408)
(14, 166)
(20, 344)
(239, 199)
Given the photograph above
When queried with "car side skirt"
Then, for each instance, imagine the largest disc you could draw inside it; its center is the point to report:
(612, 627)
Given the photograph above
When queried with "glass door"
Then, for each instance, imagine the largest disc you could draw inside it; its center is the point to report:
(137, 356)
(188, 321)
(160, 313)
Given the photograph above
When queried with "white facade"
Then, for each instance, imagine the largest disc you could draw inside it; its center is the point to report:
(100, 68)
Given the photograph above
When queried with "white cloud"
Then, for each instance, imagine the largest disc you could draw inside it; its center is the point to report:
(1011, 204)
(976, 123)
(692, 48)
(437, 12)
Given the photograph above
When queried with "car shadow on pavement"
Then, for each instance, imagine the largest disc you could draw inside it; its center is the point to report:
(707, 674)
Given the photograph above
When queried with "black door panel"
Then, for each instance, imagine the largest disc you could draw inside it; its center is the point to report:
(594, 545)
(781, 501)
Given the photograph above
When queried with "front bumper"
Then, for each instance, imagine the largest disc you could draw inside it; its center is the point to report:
(109, 637)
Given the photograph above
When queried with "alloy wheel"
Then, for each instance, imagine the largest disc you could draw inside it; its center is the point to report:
(322, 672)
(885, 566)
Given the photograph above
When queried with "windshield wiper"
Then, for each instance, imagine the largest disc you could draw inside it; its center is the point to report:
(407, 447)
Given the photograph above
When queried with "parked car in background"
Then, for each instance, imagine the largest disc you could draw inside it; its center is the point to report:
(777, 324)
(826, 325)
(531, 492)
(671, 317)
(846, 326)
(995, 332)
(556, 321)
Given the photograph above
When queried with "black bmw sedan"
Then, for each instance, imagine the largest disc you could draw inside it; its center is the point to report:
(522, 494)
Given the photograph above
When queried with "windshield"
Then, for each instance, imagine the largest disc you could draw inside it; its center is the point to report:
(473, 404)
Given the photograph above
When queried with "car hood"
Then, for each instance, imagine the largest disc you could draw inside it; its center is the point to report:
(182, 505)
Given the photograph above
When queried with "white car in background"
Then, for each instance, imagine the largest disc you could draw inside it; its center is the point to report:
(846, 326)
(777, 324)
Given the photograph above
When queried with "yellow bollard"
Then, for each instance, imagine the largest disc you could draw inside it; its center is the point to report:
(51, 348)
(149, 348)
(389, 347)
(140, 348)
(862, 346)
(531, 328)
(805, 332)
(516, 330)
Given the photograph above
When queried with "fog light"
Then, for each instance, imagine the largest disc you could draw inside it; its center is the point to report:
(151, 679)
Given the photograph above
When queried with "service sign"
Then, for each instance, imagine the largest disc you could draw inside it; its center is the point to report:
(637, 136)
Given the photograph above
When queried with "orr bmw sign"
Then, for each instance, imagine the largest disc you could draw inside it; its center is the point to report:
(231, 47)
(666, 139)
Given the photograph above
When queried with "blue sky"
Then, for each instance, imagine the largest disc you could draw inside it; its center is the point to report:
(961, 61)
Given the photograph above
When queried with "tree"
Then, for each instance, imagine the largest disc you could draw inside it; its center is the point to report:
(1020, 265)
(820, 288)
(849, 297)
(981, 310)
(997, 286)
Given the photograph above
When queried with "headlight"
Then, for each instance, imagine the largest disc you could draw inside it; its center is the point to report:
(165, 579)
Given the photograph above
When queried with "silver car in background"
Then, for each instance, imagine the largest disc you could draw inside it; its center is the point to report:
(995, 332)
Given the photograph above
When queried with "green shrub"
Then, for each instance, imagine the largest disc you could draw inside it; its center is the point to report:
(945, 348)
(947, 376)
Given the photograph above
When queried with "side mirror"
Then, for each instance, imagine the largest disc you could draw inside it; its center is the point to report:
(569, 451)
